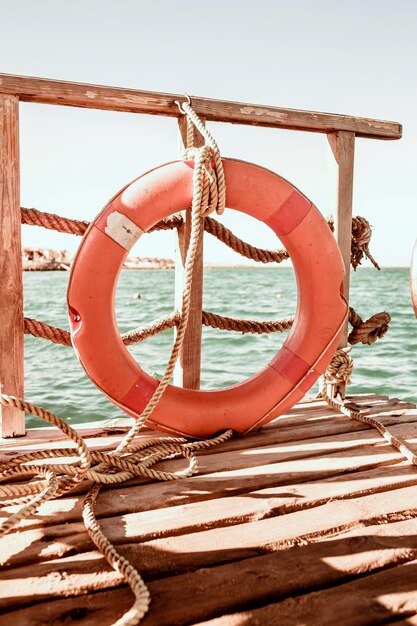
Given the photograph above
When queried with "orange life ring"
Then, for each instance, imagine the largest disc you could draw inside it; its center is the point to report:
(320, 316)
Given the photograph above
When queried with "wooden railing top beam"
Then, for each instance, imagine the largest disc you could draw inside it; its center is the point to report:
(46, 91)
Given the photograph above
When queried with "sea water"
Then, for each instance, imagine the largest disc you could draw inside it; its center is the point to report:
(55, 379)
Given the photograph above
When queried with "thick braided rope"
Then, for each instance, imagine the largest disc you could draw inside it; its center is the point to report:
(340, 370)
(215, 228)
(52, 221)
(192, 116)
(201, 199)
(363, 332)
(201, 187)
(81, 450)
(361, 233)
(61, 336)
(370, 330)
(130, 574)
(361, 236)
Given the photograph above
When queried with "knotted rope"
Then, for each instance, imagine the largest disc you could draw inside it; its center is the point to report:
(339, 371)
(340, 368)
(128, 459)
(212, 177)
(361, 236)
(369, 331)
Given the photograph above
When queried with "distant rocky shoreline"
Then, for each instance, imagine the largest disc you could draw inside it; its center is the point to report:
(49, 260)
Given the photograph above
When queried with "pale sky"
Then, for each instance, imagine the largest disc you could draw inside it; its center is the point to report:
(356, 57)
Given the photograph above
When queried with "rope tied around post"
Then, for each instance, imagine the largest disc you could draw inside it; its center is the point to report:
(361, 236)
(211, 178)
(370, 330)
(340, 368)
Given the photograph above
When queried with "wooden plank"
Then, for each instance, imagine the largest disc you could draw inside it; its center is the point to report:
(258, 527)
(217, 590)
(46, 91)
(29, 545)
(343, 148)
(188, 367)
(373, 600)
(11, 287)
(305, 420)
(137, 496)
(118, 502)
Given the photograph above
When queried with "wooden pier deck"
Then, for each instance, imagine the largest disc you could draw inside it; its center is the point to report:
(312, 520)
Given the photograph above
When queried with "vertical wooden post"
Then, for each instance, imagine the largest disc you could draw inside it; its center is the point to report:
(11, 284)
(187, 371)
(342, 144)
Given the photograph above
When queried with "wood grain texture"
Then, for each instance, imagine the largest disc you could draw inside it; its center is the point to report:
(343, 148)
(41, 90)
(11, 287)
(275, 529)
(217, 590)
(188, 368)
(363, 602)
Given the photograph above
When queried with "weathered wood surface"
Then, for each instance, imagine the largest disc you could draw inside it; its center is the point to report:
(312, 517)
(11, 287)
(188, 368)
(46, 91)
(342, 145)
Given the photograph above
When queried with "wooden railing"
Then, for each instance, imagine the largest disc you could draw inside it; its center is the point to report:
(341, 131)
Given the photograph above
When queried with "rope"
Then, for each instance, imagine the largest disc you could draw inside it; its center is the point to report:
(62, 337)
(209, 151)
(51, 221)
(339, 371)
(363, 332)
(369, 331)
(128, 459)
(361, 236)
(226, 236)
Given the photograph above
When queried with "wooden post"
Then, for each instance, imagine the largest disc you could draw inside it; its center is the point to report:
(11, 284)
(187, 371)
(342, 144)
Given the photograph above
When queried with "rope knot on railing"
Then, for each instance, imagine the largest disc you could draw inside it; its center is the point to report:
(370, 330)
(208, 169)
(340, 368)
(361, 236)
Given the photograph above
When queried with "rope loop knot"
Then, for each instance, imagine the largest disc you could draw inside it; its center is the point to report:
(370, 330)
(209, 180)
(361, 236)
(340, 368)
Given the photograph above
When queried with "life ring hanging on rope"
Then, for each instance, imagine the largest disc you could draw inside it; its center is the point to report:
(320, 316)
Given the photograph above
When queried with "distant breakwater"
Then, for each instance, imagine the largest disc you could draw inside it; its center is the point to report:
(47, 260)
